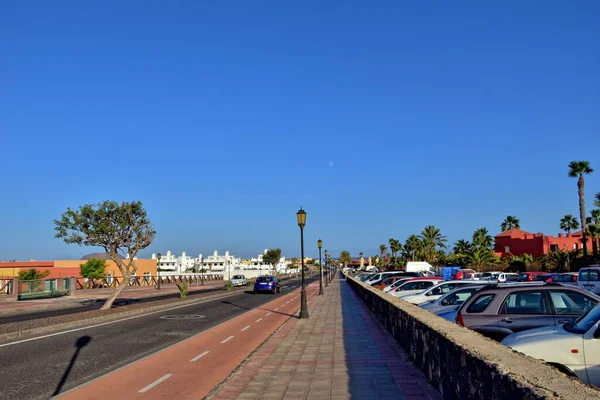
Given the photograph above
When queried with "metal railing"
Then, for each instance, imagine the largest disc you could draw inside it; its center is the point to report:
(146, 280)
(41, 288)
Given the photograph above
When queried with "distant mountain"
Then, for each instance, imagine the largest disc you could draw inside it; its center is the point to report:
(103, 256)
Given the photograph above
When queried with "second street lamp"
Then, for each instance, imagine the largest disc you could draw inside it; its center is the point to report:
(320, 246)
(158, 271)
(326, 268)
(301, 216)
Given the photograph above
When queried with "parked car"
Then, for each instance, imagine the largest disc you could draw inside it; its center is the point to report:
(572, 348)
(500, 310)
(239, 280)
(437, 291)
(448, 313)
(389, 281)
(376, 278)
(364, 276)
(568, 278)
(462, 274)
(528, 276)
(503, 277)
(589, 279)
(451, 299)
(414, 285)
(267, 283)
(545, 277)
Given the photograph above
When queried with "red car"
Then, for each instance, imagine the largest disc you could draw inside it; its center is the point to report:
(529, 276)
(462, 274)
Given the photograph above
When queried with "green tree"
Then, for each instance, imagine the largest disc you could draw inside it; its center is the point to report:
(272, 257)
(597, 199)
(413, 248)
(120, 229)
(382, 250)
(345, 257)
(510, 222)
(560, 259)
(462, 246)
(577, 169)
(480, 257)
(93, 268)
(32, 275)
(432, 240)
(568, 223)
(482, 239)
(594, 233)
(395, 248)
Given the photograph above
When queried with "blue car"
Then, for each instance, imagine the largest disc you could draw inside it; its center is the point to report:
(267, 283)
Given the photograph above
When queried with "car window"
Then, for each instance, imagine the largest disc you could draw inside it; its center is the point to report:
(525, 303)
(589, 275)
(512, 278)
(387, 281)
(480, 303)
(571, 302)
(523, 276)
(458, 297)
(410, 286)
(564, 278)
(262, 279)
(442, 289)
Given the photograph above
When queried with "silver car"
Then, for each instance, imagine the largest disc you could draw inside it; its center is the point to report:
(452, 299)
(239, 280)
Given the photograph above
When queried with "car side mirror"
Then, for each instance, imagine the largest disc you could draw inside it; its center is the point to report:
(445, 302)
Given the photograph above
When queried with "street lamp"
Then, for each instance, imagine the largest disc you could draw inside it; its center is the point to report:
(320, 245)
(326, 268)
(202, 270)
(301, 216)
(158, 256)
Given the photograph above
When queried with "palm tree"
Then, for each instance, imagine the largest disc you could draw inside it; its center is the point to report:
(482, 238)
(568, 223)
(345, 257)
(560, 258)
(411, 247)
(510, 222)
(462, 247)
(577, 169)
(382, 250)
(480, 257)
(597, 199)
(432, 239)
(395, 247)
(594, 232)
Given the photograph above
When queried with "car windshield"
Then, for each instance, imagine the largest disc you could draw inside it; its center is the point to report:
(237, 277)
(583, 323)
(511, 278)
(589, 275)
(542, 278)
(523, 276)
(263, 279)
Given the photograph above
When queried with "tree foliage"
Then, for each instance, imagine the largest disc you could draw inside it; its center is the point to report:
(577, 169)
(510, 222)
(93, 269)
(120, 229)
(32, 274)
(345, 257)
(569, 223)
(482, 238)
(272, 257)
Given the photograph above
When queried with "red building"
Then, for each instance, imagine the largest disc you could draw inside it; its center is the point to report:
(515, 242)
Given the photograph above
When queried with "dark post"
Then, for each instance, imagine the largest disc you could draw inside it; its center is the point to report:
(158, 271)
(326, 269)
(301, 215)
(320, 245)
(202, 269)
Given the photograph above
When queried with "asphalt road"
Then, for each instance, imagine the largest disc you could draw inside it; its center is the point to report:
(40, 368)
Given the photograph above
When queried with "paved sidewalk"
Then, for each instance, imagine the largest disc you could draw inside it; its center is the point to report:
(341, 352)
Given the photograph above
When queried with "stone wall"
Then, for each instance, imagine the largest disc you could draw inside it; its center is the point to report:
(463, 364)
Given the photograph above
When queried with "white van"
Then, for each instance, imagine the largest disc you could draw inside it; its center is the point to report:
(589, 279)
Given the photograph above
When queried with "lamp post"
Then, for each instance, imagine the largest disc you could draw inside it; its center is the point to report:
(202, 269)
(320, 245)
(158, 256)
(301, 217)
(326, 268)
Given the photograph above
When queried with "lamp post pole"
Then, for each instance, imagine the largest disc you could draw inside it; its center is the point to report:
(326, 269)
(301, 216)
(320, 245)
(202, 270)
(158, 257)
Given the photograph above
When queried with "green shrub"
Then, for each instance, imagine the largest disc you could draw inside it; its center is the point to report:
(228, 285)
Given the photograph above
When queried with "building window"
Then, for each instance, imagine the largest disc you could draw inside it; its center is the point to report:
(553, 247)
(507, 249)
(576, 246)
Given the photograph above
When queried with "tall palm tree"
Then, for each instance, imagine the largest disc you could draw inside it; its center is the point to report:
(432, 239)
(597, 199)
(568, 223)
(462, 246)
(382, 250)
(510, 222)
(480, 257)
(577, 169)
(411, 247)
(482, 238)
(594, 233)
(395, 247)
(596, 219)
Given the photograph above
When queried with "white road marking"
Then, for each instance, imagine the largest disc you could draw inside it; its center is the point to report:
(199, 356)
(244, 328)
(227, 340)
(277, 309)
(156, 382)
(258, 320)
(269, 314)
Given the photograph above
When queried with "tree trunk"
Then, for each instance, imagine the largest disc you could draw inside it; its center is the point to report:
(580, 186)
(595, 248)
(115, 294)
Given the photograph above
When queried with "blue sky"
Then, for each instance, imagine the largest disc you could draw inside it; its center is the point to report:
(225, 117)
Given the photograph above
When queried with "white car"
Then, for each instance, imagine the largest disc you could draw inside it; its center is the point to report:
(239, 280)
(589, 279)
(414, 285)
(435, 292)
(451, 299)
(396, 284)
(573, 348)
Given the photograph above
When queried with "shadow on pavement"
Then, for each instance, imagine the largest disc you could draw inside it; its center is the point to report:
(79, 344)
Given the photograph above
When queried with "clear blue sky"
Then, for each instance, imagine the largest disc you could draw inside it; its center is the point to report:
(223, 118)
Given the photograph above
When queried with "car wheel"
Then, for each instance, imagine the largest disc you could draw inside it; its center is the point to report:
(274, 291)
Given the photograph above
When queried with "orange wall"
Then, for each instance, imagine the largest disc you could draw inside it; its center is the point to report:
(145, 265)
